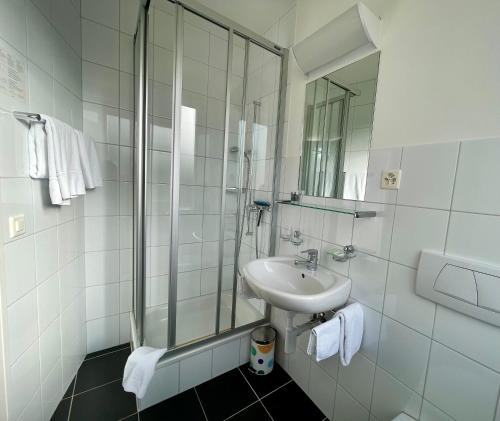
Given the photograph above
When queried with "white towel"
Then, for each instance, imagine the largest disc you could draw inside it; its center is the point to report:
(89, 161)
(324, 340)
(37, 150)
(56, 165)
(140, 368)
(63, 162)
(351, 331)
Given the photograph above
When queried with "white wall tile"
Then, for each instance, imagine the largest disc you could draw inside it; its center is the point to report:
(128, 16)
(347, 408)
(390, 398)
(46, 251)
(322, 390)
(100, 84)
(439, 172)
(337, 228)
(431, 413)
(100, 44)
(16, 199)
(102, 300)
(101, 122)
(195, 370)
(14, 160)
(371, 325)
(244, 349)
(50, 348)
(24, 381)
(368, 275)
(103, 200)
(48, 302)
(357, 379)
(416, 229)
(102, 267)
(51, 390)
(106, 13)
(402, 303)
(101, 233)
(373, 235)
(125, 296)
(19, 268)
(102, 333)
(41, 39)
(13, 23)
(404, 353)
(33, 410)
(477, 161)
(299, 367)
(125, 328)
(164, 384)
(461, 387)
(22, 325)
(471, 337)
(225, 357)
(474, 236)
(126, 91)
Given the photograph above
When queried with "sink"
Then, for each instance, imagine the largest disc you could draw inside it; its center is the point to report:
(294, 288)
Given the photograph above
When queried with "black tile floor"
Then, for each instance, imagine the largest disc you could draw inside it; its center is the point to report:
(96, 394)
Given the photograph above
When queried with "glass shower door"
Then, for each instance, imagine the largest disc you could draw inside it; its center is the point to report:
(202, 161)
(212, 112)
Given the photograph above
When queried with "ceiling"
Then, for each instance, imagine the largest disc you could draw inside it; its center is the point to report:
(257, 15)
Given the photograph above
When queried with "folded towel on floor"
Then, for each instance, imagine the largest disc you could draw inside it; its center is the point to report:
(351, 331)
(37, 150)
(140, 368)
(324, 340)
(89, 161)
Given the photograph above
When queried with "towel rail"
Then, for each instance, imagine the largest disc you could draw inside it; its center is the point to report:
(28, 117)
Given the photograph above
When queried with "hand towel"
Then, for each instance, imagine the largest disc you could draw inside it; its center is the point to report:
(75, 173)
(37, 150)
(57, 167)
(140, 368)
(89, 161)
(351, 331)
(324, 340)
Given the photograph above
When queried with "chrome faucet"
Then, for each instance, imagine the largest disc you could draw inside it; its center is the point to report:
(312, 259)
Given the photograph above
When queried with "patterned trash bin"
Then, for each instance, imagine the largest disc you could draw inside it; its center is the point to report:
(262, 350)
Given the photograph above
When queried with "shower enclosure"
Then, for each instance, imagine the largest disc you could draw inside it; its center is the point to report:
(209, 111)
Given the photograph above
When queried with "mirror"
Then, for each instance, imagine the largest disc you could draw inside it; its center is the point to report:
(338, 120)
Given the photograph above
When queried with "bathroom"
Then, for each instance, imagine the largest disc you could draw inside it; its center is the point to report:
(364, 133)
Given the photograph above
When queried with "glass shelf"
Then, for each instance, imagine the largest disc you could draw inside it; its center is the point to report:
(354, 213)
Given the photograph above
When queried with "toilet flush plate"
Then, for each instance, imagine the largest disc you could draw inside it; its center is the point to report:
(464, 285)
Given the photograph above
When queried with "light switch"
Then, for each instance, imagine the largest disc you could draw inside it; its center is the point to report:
(17, 225)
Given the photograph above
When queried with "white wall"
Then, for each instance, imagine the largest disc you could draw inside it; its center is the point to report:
(107, 68)
(414, 357)
(407, 339)
(42, 282)
(438, 73)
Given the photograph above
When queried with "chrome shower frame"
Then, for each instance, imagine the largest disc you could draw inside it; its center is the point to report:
(140, 171)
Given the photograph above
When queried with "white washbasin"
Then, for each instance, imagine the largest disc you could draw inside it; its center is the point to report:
(294, 288)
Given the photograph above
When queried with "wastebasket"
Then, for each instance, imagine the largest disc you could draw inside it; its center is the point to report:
(262, 341)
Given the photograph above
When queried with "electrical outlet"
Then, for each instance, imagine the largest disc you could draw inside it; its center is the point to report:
(391, 179)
